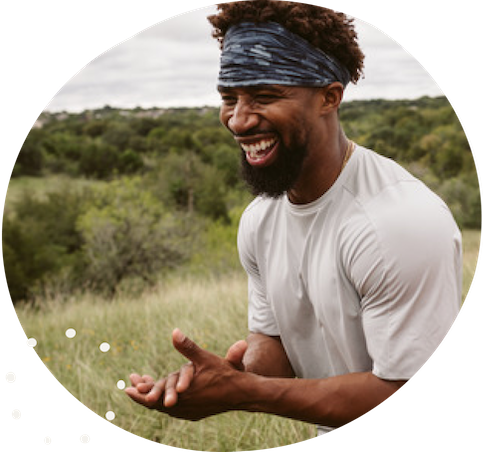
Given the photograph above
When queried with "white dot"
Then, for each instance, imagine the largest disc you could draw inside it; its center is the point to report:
(47, 440)
(32, 342)
(104, 347)
(84, 438)
(110, 415)
(10, 377)
(121, 384)
(16, 414)
(70, 333)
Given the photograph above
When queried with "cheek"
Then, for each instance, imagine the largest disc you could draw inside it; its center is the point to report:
(294, 132)
(224, 116)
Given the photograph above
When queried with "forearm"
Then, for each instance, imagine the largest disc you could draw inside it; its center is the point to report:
(331, 402)
(266, 356)
(217, 385)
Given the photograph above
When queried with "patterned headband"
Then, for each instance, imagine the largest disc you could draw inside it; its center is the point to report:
(269, 54)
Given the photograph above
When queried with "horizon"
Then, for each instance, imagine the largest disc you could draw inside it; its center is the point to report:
(174, 64)
(201, 107)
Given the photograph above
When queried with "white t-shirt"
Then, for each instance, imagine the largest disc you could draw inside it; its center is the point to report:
(366, 278)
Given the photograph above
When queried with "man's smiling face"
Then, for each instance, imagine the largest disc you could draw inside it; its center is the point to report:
(273, 125)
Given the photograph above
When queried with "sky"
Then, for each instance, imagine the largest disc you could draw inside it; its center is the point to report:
(175, 64)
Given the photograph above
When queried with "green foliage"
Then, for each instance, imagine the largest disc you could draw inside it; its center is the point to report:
(30, 160)
(127, 232)
(106, 143)
(185, 183)
(218, 252)
(96, 237)
(463, 198)
(40, 240)
(102, 160)
(186, 166)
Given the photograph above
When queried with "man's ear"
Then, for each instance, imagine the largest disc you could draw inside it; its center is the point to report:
(331, 97)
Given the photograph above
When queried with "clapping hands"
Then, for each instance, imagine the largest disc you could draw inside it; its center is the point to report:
(200, 388)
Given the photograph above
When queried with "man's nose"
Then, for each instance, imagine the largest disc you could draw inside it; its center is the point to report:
(243, 118)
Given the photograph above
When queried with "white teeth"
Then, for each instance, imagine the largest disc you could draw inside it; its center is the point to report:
(254, 149)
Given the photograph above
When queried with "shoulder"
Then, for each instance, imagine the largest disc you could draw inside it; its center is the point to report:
(395, 220)
(372, 173)
(258, 212)
(415, 225)
(389, 197)
(257, 217)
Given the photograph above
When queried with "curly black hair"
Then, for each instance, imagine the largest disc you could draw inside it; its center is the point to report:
(330, 31)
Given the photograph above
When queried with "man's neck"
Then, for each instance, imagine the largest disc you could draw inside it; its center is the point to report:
(321, 169)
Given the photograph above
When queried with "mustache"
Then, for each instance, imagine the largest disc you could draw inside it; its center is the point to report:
(251, 133)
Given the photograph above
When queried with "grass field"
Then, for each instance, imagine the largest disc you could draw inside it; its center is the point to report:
(212, 311)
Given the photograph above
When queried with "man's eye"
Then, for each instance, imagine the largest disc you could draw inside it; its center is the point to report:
(228, 100)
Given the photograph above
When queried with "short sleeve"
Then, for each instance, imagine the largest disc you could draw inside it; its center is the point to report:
(404, 261)
(261, 318)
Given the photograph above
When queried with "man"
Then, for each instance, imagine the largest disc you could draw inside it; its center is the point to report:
(354, 266)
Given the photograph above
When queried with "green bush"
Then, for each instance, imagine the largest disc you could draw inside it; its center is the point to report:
(30, 161)
(127, 232)
(40, 241)
(463, 198)
(97, 237)
(101, 160)
(185, 183)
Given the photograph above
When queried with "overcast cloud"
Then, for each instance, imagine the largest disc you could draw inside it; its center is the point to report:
(175, 64)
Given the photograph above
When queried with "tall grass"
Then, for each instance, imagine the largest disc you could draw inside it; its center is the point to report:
(211, 310)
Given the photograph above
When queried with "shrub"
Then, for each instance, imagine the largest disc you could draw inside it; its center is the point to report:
(463, 198)
(40, 240)
(127, 233)
(101, 160)
(187, 184)
(30, 160)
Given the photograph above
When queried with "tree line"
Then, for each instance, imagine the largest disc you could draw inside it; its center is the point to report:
(164, 191)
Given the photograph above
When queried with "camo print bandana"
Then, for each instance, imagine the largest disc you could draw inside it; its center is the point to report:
(269, 54)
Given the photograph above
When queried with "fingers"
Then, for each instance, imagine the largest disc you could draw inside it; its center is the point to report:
(135, 395)
(186, 375)
(145, 390)
(165, 392)
(187, 347)
(148, 379)
(170, 393)
(142, 384)
(146, 385)
(151, 393)
(136, 379)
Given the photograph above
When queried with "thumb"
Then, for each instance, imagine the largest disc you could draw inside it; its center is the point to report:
(235, 354)
(187, 347)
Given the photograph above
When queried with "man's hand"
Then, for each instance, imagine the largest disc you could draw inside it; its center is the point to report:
(165, 393)
(215, 385)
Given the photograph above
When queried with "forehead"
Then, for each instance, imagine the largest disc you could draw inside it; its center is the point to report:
(281, 90)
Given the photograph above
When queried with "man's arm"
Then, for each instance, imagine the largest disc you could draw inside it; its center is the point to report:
(337, 400)
(266, 356)
(218, 386)
(332, 402)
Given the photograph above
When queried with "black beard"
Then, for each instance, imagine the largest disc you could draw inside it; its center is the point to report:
(277, 178)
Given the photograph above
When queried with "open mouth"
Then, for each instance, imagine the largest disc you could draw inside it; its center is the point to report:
(261, 152)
